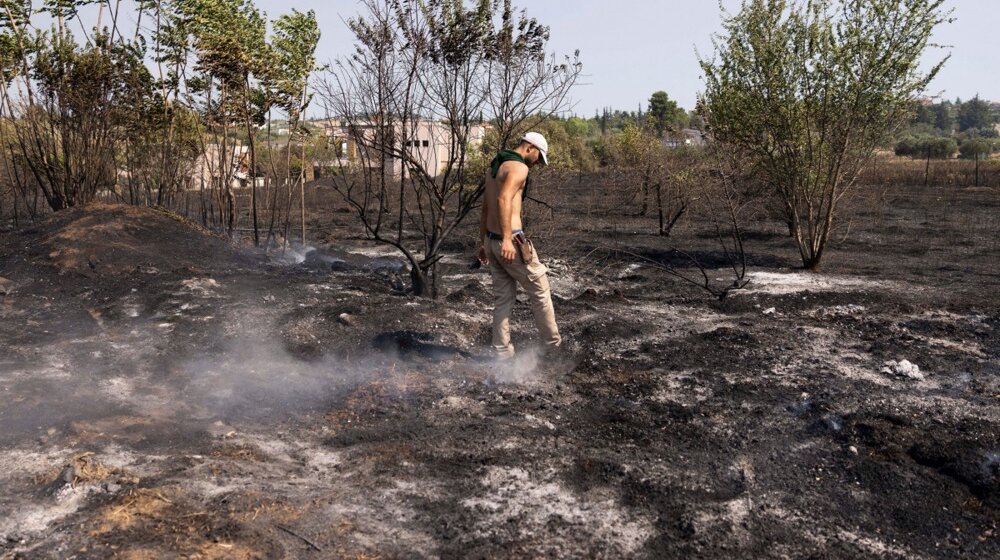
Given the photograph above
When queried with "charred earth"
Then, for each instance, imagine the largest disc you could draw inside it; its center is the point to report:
(166, 393)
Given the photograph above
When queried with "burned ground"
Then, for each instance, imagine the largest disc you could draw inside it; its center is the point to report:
(168, 394)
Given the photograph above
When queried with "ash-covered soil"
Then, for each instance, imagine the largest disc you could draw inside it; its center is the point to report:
(166, 394)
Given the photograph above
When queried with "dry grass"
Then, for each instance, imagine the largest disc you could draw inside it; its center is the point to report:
(255, 506)
(147, 522)
(240, 452)
(889, 170)
(86, 469)
(130, 510)
(124, 427)
(208, 551)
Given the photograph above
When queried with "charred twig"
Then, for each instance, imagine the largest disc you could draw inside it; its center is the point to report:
(311, 544)
(543, 203)
(705, 284)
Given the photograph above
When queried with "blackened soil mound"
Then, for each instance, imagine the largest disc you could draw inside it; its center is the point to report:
(112, 239)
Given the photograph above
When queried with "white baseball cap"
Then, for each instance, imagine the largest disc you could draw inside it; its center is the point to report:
(538, 141)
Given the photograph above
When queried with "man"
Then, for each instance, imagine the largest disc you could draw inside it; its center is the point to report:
(505, 248)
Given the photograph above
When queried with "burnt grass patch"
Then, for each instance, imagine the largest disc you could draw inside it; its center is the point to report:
(683, 426)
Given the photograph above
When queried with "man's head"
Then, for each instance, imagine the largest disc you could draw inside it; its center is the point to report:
(534, 149)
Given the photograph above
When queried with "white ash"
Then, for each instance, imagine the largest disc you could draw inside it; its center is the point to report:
(903, 368)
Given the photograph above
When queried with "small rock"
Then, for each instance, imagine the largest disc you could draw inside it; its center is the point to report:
(6, 286)
(345, 319)
(853, 450)
(66, 478)
(770, 311)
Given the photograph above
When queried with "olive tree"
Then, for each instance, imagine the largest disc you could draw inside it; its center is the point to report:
(806, 90)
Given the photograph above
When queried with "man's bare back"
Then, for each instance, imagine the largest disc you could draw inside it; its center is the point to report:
(493, 190)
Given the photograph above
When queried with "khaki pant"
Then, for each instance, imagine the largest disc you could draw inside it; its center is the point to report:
(534, 279)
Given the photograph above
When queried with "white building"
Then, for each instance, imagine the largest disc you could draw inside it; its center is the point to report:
(210, 166)
(429, 144)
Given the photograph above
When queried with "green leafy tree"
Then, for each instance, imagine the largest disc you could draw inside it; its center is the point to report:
(664, 113)
(293, 60)
(927, 147)
(229, 38)
(924, 113)
(944, 117)
(806, 90)
(72, 104)
(975, 114)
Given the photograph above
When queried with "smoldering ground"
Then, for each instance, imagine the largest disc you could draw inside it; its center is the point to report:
(228, 407)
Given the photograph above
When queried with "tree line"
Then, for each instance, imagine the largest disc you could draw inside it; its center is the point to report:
(798, 96)
(141, 112)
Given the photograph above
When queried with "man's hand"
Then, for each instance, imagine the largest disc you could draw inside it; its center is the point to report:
(482, 255)
(507, 251)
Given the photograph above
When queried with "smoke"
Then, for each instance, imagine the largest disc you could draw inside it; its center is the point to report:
(257, 378)
(522, 369)
(295, 253)
(196, 357)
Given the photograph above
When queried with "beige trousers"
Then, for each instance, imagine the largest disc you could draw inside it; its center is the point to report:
(532, 276)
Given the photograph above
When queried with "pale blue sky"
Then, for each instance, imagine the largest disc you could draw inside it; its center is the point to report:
(631, 48)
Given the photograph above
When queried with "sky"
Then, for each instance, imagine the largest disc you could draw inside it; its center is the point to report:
(632, 48)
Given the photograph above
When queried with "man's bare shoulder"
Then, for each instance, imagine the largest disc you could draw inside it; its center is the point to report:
(512, 171)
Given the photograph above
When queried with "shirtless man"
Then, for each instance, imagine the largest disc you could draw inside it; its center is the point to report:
(504, 247)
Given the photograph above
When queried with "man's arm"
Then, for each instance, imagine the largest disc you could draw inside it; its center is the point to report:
(481, 253)
(513, 182)
(482, 221)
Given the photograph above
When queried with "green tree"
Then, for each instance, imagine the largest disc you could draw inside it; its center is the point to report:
(286, 81)
(927, 147)
(229, 37)
(975, 114)
(923, 146)
(944, 117)
(664, 113)
(924, 113)
(806, 90)
(72, 104)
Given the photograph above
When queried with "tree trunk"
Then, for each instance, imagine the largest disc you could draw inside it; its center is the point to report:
(251, 174)
(927, 171)
(418, 281)
(659, 205)
(812, 264)
(302, 190)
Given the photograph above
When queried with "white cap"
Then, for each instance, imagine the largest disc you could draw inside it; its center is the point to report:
(538, 141)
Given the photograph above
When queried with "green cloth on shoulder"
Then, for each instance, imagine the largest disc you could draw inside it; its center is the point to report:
(503, 156)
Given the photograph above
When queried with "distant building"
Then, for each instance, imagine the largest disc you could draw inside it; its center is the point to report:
(429, 143)
(208, 168)
(686, 137)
